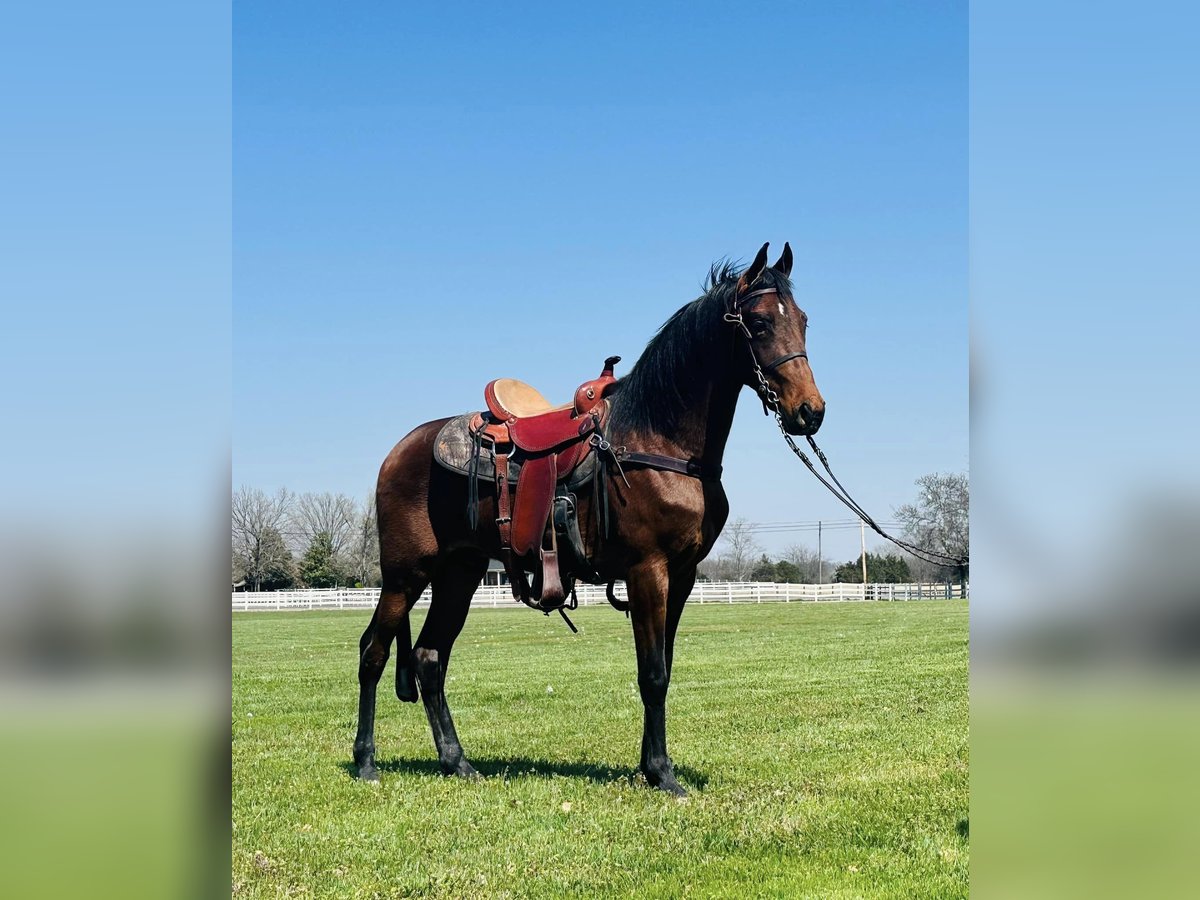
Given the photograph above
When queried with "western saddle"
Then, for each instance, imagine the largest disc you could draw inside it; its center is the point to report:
(548, 442)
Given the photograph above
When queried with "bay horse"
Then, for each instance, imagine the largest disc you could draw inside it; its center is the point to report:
(678, 400)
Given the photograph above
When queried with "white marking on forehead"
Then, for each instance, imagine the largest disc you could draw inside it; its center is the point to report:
(782, 311)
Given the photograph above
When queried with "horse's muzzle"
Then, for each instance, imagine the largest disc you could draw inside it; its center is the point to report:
(805, 420)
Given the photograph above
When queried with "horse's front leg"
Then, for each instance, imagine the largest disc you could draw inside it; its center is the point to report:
(649, 587)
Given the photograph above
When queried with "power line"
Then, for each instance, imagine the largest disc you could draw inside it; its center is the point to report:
(784, 527)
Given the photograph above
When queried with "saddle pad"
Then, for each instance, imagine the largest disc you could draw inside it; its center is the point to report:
(452, 450)
(453, 446)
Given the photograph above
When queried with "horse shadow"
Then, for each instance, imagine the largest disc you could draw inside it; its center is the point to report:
(513, 767)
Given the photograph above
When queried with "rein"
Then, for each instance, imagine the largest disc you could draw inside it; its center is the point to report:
(770, 402)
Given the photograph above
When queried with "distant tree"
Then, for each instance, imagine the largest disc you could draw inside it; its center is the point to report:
(764, 570)
(364, 546)
(277, 570)
(920, 569)
(849, 572)
(741, 549)
(319, 567)
(788, 571)
(334, 515)
(809, 565)
(259, 552)
(940, 519)
(889, 569)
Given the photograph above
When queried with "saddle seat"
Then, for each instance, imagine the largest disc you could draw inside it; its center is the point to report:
(532, 423)
(512, 399)
(551, 441)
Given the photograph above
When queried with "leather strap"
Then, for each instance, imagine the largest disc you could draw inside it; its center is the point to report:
(503, 510)
(746, 298)
(516, 578)
(787, 357)
(693, 468)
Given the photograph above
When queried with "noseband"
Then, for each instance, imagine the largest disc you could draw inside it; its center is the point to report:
(765, 392)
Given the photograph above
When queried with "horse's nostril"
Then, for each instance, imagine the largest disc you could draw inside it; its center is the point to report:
(809, 417)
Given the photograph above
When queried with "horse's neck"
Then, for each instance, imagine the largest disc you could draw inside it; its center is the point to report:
(703, 429)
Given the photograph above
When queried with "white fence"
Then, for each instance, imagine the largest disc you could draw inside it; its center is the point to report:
(590, 595)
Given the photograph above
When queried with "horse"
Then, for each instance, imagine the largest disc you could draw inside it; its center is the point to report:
(678, 401)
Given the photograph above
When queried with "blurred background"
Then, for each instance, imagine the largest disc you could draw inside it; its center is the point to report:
(115, 279)
(1085, 620)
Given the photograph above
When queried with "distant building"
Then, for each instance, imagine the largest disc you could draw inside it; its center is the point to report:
(495, 573)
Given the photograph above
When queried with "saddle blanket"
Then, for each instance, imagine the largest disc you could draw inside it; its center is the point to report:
(454, 445)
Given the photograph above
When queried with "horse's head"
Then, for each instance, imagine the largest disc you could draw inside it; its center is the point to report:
(775, 330)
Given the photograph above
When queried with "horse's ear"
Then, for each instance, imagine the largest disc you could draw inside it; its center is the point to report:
(754, 269)
(784, 264)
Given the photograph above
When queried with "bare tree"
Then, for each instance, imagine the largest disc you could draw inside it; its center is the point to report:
(325, 513)
(742, 550)
(940, 518)
(810, 565)
(258, 520)
(365, 544)
(922, 569)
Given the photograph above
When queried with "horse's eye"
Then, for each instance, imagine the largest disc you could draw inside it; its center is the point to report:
(759, 327)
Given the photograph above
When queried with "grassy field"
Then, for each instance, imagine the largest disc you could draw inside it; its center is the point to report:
(825, 748)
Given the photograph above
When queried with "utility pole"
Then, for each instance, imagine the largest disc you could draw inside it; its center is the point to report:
(862, 532)
(820, 570)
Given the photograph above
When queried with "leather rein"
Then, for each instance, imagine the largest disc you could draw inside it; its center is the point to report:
(770, 402)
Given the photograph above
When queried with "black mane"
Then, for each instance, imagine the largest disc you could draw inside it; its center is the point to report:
(670, 371)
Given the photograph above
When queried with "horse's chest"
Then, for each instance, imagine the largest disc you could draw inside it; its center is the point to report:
(698, 524)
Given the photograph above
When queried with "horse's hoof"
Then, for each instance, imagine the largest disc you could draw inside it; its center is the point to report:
(672, 787)
(665, 782)
(406, 686)
(462, 769)
(369, 774)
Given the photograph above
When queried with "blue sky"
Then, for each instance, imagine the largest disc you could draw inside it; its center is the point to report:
(1084, 267)
(410, 182)
(115, 262)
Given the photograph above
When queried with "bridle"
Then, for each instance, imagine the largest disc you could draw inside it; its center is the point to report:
(770, 402)
(766, 393)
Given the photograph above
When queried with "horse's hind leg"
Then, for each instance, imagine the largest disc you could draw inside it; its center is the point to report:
(453, 588)
(391, 618)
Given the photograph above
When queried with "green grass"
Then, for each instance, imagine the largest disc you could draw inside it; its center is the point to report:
(825, 748)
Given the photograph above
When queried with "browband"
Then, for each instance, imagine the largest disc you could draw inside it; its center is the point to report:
(741, 301)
